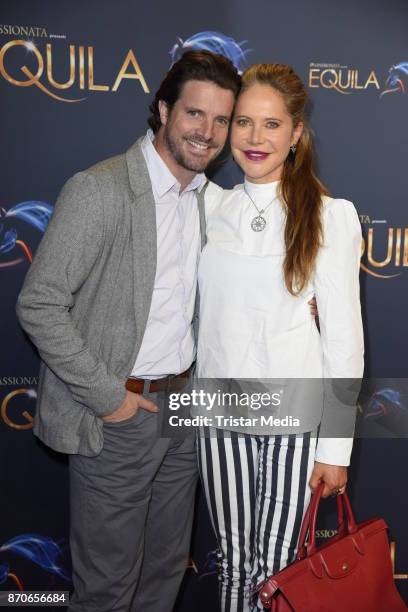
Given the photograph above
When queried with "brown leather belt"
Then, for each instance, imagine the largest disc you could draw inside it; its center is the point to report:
(169, 383)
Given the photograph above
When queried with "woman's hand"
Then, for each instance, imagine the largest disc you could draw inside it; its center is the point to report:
(313, 307)
(333, 476)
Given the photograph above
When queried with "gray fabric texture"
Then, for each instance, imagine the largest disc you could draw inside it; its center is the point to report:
(86, 298)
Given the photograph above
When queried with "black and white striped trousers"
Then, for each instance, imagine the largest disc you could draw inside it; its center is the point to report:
(257, 492)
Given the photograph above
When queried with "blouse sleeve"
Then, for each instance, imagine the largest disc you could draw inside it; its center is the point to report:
(337, 291)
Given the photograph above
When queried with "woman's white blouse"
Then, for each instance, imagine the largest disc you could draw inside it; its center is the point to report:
(250, 325)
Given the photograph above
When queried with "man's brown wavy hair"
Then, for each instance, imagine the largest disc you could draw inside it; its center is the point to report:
(193, 66)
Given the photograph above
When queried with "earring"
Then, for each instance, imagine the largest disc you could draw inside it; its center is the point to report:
(293, 148)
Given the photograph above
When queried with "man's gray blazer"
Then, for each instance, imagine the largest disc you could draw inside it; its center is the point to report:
(87, 295)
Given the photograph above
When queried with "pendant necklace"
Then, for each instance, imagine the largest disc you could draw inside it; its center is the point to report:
(258, 223)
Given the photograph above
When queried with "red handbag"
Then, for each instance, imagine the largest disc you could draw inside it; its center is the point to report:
(352, 572)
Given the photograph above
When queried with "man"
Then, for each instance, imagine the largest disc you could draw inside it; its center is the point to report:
(110, 297)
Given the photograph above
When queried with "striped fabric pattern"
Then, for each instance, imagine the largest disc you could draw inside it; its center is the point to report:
(257, 492)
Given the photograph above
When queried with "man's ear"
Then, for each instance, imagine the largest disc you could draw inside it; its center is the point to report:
(164, 112)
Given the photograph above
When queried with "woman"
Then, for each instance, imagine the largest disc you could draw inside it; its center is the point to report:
(272, 243)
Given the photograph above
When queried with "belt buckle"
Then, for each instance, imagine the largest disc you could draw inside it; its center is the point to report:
(146, 386)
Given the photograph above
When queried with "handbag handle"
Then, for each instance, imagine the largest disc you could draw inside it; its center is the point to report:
(310, 518)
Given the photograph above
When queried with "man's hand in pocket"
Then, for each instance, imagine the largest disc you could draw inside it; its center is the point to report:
(128, 408)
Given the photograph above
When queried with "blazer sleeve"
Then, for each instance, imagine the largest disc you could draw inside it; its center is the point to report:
(65, 257)
(337, 291)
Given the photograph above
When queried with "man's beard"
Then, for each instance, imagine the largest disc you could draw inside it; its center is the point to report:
(185, 161)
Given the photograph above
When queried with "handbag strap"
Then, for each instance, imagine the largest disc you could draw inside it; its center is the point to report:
(309, 521)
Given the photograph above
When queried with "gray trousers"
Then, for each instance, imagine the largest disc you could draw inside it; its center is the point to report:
(131, 518)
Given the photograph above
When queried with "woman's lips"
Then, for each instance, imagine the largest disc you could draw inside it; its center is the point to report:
(256, 155)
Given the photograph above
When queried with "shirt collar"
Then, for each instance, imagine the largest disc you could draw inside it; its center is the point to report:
(162, 179)
(262, 189)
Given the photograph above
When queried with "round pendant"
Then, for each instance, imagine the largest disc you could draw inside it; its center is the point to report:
(258, 223)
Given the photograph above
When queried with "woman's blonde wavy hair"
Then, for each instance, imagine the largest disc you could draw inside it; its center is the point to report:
(300, 188)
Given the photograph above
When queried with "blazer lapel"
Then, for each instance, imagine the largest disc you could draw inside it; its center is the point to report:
(144, 235)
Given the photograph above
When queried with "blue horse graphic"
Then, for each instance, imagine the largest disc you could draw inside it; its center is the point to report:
(41, 550)
(34, 213)
(397, 80)
(215, 42)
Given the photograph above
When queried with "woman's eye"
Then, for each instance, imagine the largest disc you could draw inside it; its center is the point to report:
(272, 124)
(242, 122)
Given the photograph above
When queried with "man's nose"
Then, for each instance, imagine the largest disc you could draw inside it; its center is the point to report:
(207, 129)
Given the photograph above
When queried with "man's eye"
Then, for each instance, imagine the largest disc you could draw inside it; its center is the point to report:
(223, 121)
(194, 113)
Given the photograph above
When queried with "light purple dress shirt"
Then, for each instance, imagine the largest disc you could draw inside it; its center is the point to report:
(168, 345)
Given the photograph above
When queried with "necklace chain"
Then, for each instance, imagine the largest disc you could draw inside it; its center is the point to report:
(258, 223)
